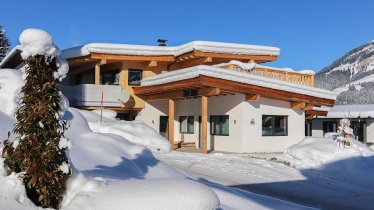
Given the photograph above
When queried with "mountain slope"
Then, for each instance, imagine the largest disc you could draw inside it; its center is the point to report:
(351, 76)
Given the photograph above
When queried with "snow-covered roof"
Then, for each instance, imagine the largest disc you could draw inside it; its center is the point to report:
(212, 71)
(351, 111)
(10, 54)
(204, 46)
(251, 66)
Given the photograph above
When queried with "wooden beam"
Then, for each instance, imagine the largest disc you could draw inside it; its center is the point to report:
(297, 105)
(316, 113)
(309, 116)
(252, 97)
(204, 124)
(97, 74)
(102, 62)
(208, 92)
(161, 96)
(308, 107)
(179, 94)
(171, 121)
(165, 58)
(152, 64)
(256, 58)
(191, 62)
(226, 92)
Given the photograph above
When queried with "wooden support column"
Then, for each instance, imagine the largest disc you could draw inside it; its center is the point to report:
(171, 122)
(204, 124)
(97, 74)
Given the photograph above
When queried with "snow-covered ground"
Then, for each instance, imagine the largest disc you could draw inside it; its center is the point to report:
(316, 172)
(111, 172)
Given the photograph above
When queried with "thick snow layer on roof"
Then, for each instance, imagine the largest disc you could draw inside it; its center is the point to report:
(352, 111)
(241, 77)
(204, 46)
(9, 55)
(251, 66)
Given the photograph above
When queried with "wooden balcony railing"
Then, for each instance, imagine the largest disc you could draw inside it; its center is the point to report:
(283, 75)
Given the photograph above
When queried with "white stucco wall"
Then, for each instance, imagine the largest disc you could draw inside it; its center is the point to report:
(152, 112)
(317, 129)
(253, 139)
(370, 130)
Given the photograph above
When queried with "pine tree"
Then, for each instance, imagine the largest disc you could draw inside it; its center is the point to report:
(37, 152)
(4, 43)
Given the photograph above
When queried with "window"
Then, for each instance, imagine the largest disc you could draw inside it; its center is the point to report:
(328, 126)
(135, 76)
(219, 125)
(274, 125)
(186, 125)
(109, 77)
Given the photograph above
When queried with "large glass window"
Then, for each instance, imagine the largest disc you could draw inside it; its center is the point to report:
(135, 76)
(186, 124)
(219, 125)
(109, 77)
(274, 125)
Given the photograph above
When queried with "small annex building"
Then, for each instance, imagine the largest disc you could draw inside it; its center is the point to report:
(361, 117)
(207, 95)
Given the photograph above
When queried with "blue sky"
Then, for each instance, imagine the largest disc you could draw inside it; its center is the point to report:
(311, 34)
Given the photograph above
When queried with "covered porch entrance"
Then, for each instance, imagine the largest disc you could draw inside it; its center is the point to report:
(203, 87)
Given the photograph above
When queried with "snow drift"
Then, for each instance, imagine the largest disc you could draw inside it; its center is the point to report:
(136, 132)
(314, 152)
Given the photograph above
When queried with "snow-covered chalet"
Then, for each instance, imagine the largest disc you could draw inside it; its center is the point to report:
(208, 95)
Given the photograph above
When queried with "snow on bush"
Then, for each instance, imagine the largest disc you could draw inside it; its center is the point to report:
(10, 86)
(314, 152)
(134, 131)
(38, 42)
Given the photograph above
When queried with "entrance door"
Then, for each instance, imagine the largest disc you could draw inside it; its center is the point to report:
(358, 130)
(164, 126)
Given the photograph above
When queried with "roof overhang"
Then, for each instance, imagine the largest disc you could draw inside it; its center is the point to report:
(12, 59)
(174, 90)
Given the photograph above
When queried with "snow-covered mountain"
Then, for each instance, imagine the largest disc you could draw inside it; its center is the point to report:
(351, 76)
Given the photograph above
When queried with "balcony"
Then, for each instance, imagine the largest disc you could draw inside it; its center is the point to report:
(90, 95)
(305, 77)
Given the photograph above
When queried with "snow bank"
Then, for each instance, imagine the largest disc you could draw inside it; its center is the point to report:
(105, 164)
(134, 131)
(10, 85)
(12, 192)
(147, 194)
(314, 152)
